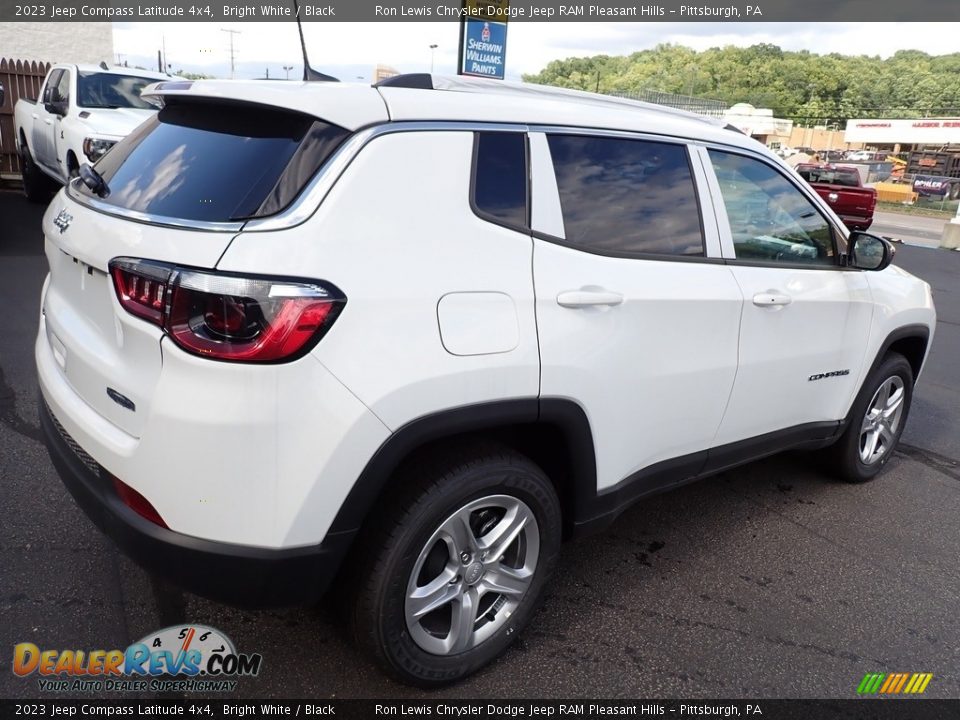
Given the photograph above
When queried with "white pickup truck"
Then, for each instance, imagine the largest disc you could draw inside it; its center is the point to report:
(82, 112)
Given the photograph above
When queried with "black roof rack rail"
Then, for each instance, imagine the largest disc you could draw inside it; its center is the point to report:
(416, 81)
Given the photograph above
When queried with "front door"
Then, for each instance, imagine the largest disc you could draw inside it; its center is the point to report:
(806, 318)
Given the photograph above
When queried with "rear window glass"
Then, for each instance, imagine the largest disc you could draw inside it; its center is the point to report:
(845, 178)
(110, 90)
(216, 163)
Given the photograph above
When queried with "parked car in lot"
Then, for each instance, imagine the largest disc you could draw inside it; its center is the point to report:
(841, 187)
(403, 339)
(83, 111)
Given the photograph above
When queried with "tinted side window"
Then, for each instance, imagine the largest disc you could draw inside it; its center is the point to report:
(770, 219)
(214, 163)
(500, 177)
(628, 197)
(52, 82)
(63, 86)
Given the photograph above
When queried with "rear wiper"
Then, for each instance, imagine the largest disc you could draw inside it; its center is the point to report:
(94, 180)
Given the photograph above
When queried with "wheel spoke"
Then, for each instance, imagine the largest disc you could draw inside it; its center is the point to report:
(872, 437)
(507, 580)
(883, 430)
(434, 595)
(883, 394)
(868, 420)
(502, 535)
(459, 535)
(894, 403)
(462, 621)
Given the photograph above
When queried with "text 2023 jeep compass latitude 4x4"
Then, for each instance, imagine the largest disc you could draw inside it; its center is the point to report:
(410, 336)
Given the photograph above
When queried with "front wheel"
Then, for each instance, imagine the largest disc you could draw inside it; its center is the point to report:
(456, 571)
(877, 420)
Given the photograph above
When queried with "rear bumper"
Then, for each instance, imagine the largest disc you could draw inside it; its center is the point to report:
(855, 222)
(236, 574)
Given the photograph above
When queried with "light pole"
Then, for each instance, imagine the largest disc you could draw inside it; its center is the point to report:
(287, 69)
(433, 49)
(831, 127)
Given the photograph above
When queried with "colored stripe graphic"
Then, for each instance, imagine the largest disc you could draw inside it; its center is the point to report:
(894, 683)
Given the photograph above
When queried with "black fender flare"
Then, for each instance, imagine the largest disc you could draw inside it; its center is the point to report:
(565, 415)
(913, 331)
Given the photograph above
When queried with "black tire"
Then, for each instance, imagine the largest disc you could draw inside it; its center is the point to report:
(36, 186)
(434, 490)
(73, 167)
(844, 457)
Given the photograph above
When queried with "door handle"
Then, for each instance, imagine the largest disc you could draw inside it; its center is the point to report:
(769, 299)
(588, 298)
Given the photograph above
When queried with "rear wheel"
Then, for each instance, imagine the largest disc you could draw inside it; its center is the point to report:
(877, 420)
(36, 186)
(456, 571)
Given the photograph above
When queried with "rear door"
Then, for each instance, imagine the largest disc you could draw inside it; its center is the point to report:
(636, 313)
(806, 318)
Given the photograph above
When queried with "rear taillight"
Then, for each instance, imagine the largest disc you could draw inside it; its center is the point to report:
(226, 316)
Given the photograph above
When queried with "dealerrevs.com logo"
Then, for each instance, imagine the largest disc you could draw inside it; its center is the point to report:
(191, 658)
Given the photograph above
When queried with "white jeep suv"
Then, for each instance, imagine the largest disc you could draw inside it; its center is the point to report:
(408, 337)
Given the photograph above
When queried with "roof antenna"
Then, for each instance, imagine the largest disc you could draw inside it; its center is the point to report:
(309, 74)
(103, 65)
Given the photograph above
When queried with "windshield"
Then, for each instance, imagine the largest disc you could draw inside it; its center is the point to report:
(109, 90)
(846, 178)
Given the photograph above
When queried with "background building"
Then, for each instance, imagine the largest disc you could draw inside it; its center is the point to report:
(53, 42)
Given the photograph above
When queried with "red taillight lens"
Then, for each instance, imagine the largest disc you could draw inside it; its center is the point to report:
(141, 288)
(137, 502)
(227, 317)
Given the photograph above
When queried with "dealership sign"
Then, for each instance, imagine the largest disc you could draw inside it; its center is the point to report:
(930, 131)
(483, 38)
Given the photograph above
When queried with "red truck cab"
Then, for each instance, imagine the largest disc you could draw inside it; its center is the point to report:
(841, 187)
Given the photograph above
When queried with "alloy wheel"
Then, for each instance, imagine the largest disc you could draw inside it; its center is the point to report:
(472, 574)
(878, 431)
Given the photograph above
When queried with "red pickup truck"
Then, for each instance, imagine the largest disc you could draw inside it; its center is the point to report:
(840, 186)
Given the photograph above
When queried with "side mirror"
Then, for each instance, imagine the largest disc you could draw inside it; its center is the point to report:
(869, 252)
(53, 103)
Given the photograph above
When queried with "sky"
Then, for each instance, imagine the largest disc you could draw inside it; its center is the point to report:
(350, 51)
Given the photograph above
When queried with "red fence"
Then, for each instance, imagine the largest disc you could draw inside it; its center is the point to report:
(20, 78)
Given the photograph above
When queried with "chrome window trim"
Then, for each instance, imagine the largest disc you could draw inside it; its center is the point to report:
(841, 235)
(313, 194)
(147, 218)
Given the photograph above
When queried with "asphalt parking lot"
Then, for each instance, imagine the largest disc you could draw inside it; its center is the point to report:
(769, 581)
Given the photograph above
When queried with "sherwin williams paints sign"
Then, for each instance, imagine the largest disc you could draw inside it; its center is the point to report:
(483, 38)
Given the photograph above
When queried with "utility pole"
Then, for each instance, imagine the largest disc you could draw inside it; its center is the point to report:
(232, 55)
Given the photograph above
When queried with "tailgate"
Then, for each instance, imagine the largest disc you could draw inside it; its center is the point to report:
(110, 358)
(859, 202)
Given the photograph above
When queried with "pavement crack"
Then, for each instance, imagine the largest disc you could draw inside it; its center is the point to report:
(935, 461)
(9, 416)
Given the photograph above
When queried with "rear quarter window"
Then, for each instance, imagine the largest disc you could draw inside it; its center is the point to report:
(215, 163)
